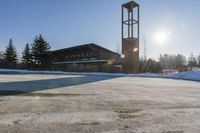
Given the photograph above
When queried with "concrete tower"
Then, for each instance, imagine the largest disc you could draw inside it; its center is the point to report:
(130, 37)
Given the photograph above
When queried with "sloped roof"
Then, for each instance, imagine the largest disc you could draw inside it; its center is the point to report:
(82, 46)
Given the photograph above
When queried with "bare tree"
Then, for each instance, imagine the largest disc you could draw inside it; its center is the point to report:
(118, 48)
(198, 60)
(145, 50)
(192, 61)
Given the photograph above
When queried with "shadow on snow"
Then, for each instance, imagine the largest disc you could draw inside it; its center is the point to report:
(21, 87)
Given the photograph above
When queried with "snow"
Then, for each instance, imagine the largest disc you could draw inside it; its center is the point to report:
(189, 75)
(56, 103)
(18, 71)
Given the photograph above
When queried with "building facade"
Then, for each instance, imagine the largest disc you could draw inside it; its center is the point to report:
(85, 58)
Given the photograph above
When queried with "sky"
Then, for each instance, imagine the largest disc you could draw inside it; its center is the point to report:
(168, 26)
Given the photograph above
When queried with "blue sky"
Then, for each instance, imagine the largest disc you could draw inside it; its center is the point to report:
(65, 23)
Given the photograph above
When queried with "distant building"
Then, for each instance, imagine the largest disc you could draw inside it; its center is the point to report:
(85, 58)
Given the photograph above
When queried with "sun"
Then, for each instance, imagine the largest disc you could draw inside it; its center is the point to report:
(161, 36)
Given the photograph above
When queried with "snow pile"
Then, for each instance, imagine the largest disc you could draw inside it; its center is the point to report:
(150, 75)
(190, 75)
(16, 71)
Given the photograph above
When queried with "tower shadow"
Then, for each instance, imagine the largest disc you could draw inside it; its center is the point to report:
(21, 87)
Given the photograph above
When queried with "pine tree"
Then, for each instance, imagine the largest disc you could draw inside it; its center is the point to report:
(10, 55)
(26, 56)
(39, 52)
(1, 55)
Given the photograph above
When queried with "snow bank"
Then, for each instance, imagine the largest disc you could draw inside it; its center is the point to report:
(16, 71)
(152, 75)
(190, 75)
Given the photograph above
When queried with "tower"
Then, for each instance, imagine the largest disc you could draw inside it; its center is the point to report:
(130, 37)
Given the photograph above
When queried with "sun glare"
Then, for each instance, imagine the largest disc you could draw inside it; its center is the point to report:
(161, 37)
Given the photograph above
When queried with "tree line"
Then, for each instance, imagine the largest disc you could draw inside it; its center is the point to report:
(170, 62)
(180, 62)
(34, 56)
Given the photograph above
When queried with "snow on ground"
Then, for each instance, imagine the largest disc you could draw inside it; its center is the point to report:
(50, 101)
(16, 71)
(189, 75)
(89, 103)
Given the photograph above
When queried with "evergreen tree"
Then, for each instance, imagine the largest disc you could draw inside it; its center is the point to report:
(2, 62)
(10, 55)
(1, 55)
(40, 49)
(26, 56)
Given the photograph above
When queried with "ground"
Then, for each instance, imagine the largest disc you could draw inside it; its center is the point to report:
(49, 103)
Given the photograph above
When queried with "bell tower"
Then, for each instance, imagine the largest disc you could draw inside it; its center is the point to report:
(130, 37)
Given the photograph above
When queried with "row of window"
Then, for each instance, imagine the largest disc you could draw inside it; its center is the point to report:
(77, 57)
